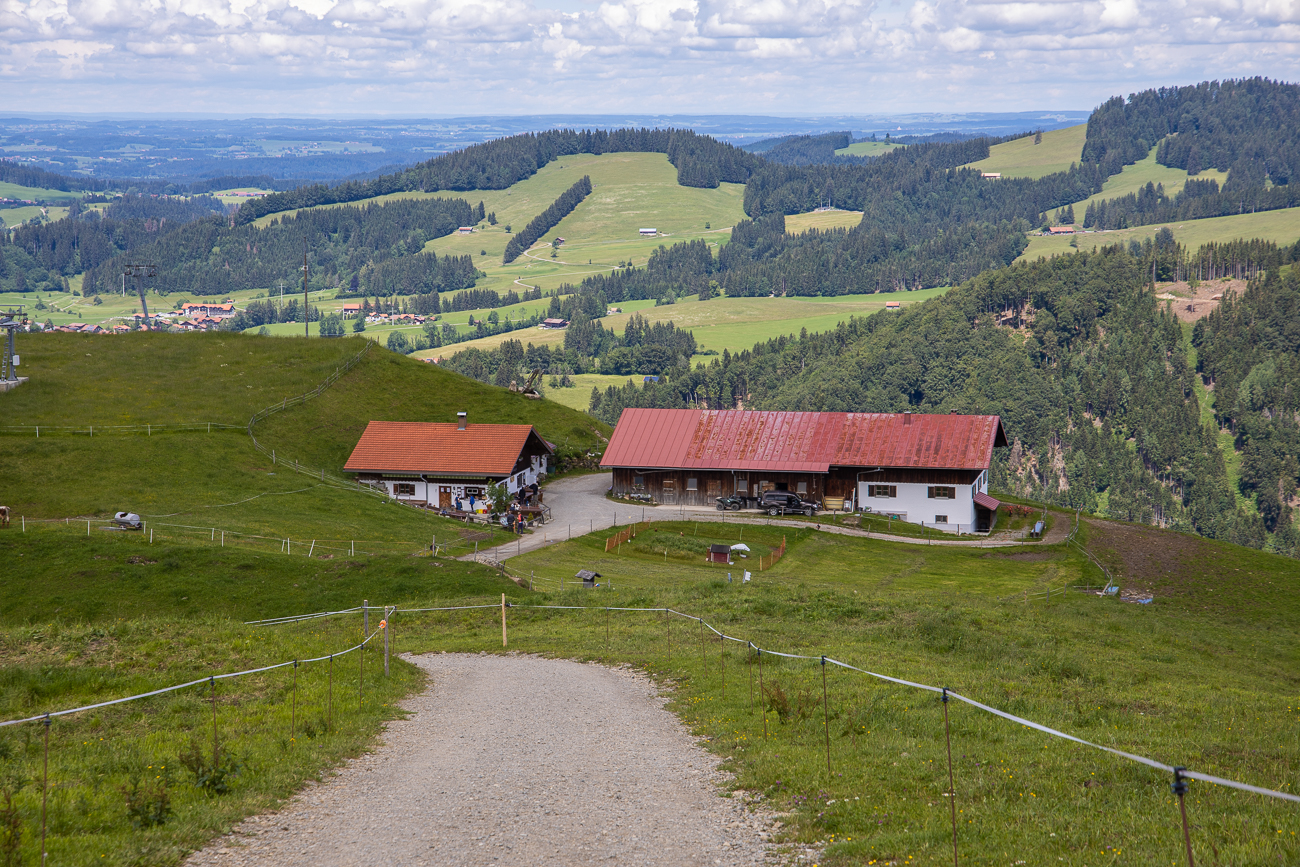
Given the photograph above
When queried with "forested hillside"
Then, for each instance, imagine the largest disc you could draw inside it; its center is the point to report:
(1089, 373)
(41, 257)
(1249, 350)
(701, 161)
(378, 245)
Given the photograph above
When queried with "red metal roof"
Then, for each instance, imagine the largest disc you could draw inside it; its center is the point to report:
(809, 442)
(439, 447)
(986, 501)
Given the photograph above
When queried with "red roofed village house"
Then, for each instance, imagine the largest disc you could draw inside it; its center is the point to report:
(436, 463)
(919, 468)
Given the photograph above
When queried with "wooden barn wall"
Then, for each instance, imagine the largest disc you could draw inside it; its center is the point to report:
(669, 486)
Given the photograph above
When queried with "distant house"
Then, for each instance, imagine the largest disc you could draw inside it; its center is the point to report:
(559, 241)
(991, 176)
(1061, 230)
(218, 310)
(649, 232)
(555, 323)
(893, 305)
(437, 463)
(465, 230)
(350, 310)
(645, 379)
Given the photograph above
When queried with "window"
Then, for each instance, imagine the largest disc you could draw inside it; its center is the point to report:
(473, 492)
(941, 519)
(404, 489)
(882, 490)
(942, 492)
(692, 484)
(802, 489)
(638, 481)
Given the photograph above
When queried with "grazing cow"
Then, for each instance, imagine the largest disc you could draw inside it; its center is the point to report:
(4, 516)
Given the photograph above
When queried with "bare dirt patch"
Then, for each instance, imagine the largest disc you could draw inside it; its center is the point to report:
(1190, 304)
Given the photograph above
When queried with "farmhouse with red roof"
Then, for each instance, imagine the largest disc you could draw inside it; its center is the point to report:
(437, 463)
(920, 468)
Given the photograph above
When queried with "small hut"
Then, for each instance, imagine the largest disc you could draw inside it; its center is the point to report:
(588, 578)
(719, 554)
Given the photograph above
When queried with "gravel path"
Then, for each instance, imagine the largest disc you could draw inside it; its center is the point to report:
(515, 760)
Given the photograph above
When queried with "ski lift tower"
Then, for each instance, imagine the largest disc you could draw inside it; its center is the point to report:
(11, 319)
(141, 270)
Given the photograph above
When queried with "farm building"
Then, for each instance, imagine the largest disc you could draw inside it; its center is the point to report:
(555, 323)
(465, 230)
(222, 310)
(919, 468)
(436, 463)
(350, 310)
(648, 232)
(1060, 230)
(893, 305)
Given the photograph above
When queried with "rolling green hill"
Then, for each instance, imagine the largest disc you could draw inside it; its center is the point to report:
(1024, 159)
(216, 479)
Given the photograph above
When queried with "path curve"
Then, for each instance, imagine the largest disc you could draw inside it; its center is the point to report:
(579, 506)
(514, 760)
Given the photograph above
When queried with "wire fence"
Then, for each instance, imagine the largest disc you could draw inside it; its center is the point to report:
(1180, 776)
(90, 430)
(158, 532)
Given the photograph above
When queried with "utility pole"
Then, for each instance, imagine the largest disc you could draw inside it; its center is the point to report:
(306, 319)
(140, 270)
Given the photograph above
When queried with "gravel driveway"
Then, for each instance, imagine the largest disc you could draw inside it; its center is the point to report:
(515, 760)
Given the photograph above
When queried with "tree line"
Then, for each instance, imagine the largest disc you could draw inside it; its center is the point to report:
(547, 220)
(701, 161)
(1249, 351)
(379, 244)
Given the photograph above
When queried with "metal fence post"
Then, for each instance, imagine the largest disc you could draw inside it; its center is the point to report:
(45, 786)
(761, 709)
(826, 718)
(293, 715)
(329, 698)
(952, 791)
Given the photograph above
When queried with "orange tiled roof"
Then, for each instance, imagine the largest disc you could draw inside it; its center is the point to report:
(438, 447)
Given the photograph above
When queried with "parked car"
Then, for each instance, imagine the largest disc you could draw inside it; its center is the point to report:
(785, 503)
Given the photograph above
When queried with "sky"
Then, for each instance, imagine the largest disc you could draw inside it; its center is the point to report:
(414, 58)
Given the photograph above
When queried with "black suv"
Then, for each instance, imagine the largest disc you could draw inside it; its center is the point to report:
(784, 503)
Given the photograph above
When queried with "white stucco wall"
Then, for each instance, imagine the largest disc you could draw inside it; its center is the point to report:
(914, 505)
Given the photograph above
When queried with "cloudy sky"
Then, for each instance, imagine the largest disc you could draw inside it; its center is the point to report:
(430, 57)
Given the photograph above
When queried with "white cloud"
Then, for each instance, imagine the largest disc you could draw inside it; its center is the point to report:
(741, 56)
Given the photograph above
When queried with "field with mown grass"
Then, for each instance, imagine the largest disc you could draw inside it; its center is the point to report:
(1281, 226)
(735, 324)
(1145, 171)
(1024, 159)
(866, 149)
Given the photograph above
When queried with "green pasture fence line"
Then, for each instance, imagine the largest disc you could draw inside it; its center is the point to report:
(92, 430)
(159, 531)
(47, 719)
(1180, 775)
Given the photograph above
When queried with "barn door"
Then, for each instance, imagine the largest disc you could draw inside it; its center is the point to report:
(714, 489)
(444, 496)
(670, 492)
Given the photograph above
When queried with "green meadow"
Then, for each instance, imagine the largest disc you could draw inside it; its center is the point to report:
(1281, 226)
(1204, 676)
(1145, 171)
(1024, 159)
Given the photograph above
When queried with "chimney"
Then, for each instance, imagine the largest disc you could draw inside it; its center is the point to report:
(907, 418)
(462, 420)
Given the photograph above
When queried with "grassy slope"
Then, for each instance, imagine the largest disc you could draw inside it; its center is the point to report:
(1175, 680)
(730, 323)
(1024, 159)
(218, 480)
(1282, 226)
(36, 194)
(836, 219)
(866, 149)
(1143, 172)
(396, 388)
(14, 216)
